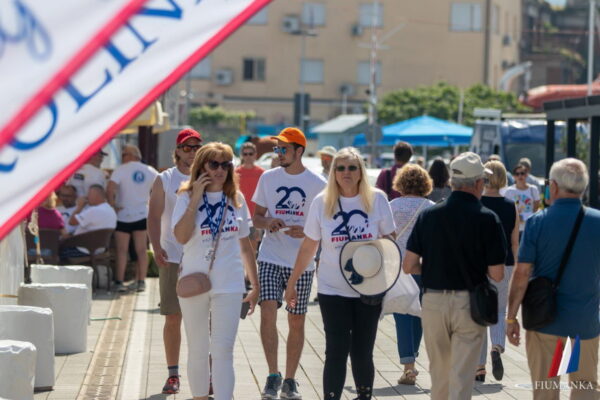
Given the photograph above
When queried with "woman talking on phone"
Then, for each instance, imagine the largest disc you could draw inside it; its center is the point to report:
(211, 220)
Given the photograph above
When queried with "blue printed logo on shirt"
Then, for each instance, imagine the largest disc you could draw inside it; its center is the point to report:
(357, 222)
(139, 177)
(292, 202)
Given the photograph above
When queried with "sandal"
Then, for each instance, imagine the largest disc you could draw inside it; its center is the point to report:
(480, 375)
(409, 377)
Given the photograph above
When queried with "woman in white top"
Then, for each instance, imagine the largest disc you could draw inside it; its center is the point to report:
(210, 196)
(525, 196)
(350, 324)
(414, 183)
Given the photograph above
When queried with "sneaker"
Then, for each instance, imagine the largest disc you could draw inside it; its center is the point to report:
(272, 387)
(289, 390)
(497, 367)
(119, 287)
(141, 286)
(172, 385)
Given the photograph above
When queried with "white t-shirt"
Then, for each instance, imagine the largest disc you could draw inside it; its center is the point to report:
(66, 213)
(85, 177)
(135, 181)
(227, 274)
(405, 211)
(171, 179)
(524, 199)
(93, 218)
(287, 197)
(333, 235)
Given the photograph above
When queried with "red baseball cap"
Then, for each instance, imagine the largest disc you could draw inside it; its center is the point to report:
(186, 134)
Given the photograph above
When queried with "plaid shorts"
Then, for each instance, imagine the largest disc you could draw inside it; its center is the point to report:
(273, 281)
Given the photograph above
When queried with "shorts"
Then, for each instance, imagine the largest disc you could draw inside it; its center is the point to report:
(128, 227)
(167, 282)
(256, 234)
(273, 281)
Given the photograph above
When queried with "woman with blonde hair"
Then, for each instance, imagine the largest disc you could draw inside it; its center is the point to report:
(211, 220)
(414, 184)
(509, 217)
(348, 209)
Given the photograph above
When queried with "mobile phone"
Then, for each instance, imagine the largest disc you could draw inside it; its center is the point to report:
(245, 309)
(285, 229)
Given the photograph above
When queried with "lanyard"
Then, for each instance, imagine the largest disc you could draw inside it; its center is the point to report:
(214, 225)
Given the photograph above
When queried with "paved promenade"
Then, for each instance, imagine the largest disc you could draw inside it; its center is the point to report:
(126, 359)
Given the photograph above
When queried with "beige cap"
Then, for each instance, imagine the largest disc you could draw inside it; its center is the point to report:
(468, 165)
(327, 151)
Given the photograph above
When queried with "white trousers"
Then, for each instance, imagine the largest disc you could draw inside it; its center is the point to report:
(223, 313)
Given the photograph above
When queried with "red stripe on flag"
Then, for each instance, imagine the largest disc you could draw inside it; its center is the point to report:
(140, 106)
(556, 359)
(39, 99)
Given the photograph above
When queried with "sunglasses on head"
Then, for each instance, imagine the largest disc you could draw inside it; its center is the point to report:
(189, 147)
(280, 150)
(214, 165)
(247, 154)
(342, 168)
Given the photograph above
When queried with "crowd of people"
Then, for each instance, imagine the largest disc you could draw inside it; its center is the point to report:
(261, 236)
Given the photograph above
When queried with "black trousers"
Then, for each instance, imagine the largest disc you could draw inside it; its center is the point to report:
(350, 328)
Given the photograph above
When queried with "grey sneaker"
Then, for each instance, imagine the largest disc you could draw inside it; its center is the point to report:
(272, 387)
(141, 286)
(119, 287)
(289, 390)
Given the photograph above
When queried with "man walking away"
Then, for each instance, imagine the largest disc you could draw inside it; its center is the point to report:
(542, 248)
(167, 251)
(402, 154)
(453, 236)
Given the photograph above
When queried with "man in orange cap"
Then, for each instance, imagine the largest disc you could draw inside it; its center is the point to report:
(283, 197)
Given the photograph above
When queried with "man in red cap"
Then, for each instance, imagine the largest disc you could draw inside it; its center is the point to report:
(167, 251)
(286, 193)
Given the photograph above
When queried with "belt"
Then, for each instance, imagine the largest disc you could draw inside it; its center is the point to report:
(445, 291)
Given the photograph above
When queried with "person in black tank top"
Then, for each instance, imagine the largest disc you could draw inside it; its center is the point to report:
(507, 212)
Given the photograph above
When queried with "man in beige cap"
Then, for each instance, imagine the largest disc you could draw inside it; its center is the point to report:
(456, 239)
(326, 153)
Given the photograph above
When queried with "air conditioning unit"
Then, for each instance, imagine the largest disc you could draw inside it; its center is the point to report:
(506, 40)
(347, 89)
(356, 30)
(291, 24)
(224, 77)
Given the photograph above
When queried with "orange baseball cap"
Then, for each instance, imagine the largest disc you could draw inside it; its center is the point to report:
(291, 135)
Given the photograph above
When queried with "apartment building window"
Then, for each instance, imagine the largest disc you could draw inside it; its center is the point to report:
(364, 73)
(313, 14)
(366, 11)
(465, 17)
(253, 69)
(202, 70)
(312, 71)
(260, 18)
(496, 19)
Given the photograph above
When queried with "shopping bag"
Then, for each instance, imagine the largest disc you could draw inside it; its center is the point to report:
(403, 297)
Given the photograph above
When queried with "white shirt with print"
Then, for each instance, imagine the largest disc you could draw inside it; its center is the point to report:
(135, 180)
(93, 218)
(287, 197)
(333, 235)
(66, 213)
(85, 177)
(524, 199)
(171, 179)
(227, 274)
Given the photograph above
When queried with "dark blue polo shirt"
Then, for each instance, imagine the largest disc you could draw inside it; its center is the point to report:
(543, 244)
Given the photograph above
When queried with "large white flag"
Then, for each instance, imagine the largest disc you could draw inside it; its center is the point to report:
(42, 43)
(150, 53)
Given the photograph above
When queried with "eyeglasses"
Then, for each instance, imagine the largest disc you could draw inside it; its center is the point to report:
(214, 165)
(189, 147)
(342, 168)
(247, 154)
(280, 150)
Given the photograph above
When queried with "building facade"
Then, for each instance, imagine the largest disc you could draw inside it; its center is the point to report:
(323, 48)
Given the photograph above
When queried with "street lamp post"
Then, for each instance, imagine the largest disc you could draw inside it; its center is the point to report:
(591, 33)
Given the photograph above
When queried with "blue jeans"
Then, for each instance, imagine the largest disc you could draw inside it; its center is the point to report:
(409, 332)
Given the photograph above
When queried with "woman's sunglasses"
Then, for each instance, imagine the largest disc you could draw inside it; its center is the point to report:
(520, 173)
(342, 168)
(189, 147)
(280, 150)
(214, 165)
(247, 154)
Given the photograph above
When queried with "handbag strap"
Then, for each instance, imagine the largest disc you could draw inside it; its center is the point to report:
(569, 248)
(455, 245)
(412, 219)
(218, 238)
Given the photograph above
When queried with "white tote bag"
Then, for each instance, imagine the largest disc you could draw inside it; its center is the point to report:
(403, 297)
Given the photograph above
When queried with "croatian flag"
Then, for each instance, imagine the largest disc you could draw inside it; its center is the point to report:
(565, 359)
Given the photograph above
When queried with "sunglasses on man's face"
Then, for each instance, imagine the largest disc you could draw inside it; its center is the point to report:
(247, 154)
(280, 150)
(214, 165)
(189, 147)
(342, 168)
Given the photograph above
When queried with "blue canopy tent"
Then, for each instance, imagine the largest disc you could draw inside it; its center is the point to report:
(422, 131)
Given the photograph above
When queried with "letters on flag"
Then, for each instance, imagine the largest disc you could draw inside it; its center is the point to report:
(154, 49)
(42, 43)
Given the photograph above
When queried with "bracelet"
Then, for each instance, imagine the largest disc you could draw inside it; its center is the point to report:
(190, 209)
(512, 321)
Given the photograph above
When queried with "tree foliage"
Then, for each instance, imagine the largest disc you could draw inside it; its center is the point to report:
(442, 101)
(213, 116)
